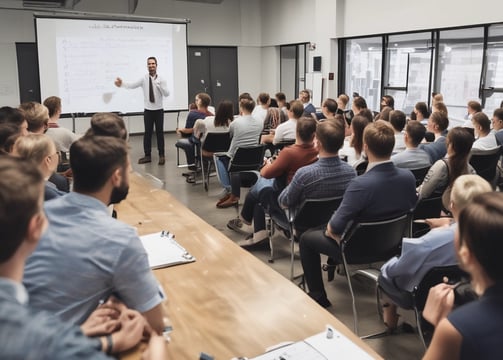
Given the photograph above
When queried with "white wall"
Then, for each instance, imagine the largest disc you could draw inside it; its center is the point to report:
(363, 17)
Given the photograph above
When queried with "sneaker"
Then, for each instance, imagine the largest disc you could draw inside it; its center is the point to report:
(145, 159)
(162, 160)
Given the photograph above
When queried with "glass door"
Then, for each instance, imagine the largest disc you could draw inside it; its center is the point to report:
(492, 86)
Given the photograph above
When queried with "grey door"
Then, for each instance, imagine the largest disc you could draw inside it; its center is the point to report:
(214, 70)
(28, 75)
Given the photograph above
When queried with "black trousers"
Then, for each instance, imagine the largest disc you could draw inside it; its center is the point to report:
(151, 117)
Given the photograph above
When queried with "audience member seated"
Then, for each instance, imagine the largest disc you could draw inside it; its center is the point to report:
(188, 141)
(412, 157)
(286, 130)
(384, 114)
(218, 123)
(472, 108)
(9, 133)
(282, 103)
(86, 255)
(14, 116)
(274, 117)
(29, 334)
(274, 176)
(328, 109)
(473, 330)
(358, 105)
(422, 113)
(61, 136)
(245, 131)
(327, 177)
(107, 124)
(353, 149)
(387, 101)
(485, 139)
(42, 152)
(437, 124)
(305, 99)
(439, 106)
(369, 197)
(36, 115)
(263, 103)
(401, 274)
(497, 122)
(397, 120)
(444, 172)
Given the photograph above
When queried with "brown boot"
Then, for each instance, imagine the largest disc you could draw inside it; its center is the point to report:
(162, 160)
(145, 159)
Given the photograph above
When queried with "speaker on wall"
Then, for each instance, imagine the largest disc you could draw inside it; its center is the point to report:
(317, 63)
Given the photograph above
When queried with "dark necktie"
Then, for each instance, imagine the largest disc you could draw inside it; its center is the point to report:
(151, 96)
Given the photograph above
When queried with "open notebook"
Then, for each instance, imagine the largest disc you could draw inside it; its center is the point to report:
(163, 250)
(328, 345)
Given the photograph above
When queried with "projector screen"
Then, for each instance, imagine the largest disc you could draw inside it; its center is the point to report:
(79, 60)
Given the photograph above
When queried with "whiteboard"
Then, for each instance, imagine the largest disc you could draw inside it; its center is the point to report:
(79, 60)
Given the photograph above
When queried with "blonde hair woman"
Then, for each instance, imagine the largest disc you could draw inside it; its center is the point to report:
(41, 150)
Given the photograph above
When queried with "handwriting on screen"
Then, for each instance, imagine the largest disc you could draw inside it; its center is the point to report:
(79, 60)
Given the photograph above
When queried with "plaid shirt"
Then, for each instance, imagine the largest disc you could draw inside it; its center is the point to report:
(328, 177)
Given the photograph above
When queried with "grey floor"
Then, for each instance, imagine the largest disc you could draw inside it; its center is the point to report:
(400, 346)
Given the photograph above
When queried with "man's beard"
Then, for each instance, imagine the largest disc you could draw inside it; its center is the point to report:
(119, 193)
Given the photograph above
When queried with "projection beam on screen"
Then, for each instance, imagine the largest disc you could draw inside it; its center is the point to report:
(80, 58)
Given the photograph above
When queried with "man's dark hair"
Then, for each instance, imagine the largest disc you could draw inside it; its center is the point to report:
(331, 105)
(380, 138)
(360, 102)
(205, 99)
(21, 186)
(330, 134)
(306, 128)
(415, 131)
(280, 96)
(367, 113)
(107, 124)
(440, 119)
(8, 135)
(93, 160)
(247, 104)
(482, 120)
(390, 101)
(397, 119)
(152, 58)
(474, 105)
(423, 109)
(53, 104)
(11, 115)
(296, 108)
(263, 98)
(498, 113)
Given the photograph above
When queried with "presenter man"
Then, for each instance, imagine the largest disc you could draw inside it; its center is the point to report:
(154, 88)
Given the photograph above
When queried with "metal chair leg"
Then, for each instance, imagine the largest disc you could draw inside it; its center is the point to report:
(348, 277)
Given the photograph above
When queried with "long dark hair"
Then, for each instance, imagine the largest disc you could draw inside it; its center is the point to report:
(224, 113)
(358, 123)
(461, 141)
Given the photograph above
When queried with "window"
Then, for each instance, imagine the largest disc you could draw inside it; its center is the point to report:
(493, 80)
(460, 68)
(407, 72)
(363, 69)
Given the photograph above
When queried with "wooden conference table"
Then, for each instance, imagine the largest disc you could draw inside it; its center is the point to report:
(227, 303)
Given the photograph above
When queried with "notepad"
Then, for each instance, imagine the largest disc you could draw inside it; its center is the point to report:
(163, 250)
(318, 347)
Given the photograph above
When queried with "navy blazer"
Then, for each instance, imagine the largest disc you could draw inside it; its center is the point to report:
(436, 149)
(309, 109)
(382, 193)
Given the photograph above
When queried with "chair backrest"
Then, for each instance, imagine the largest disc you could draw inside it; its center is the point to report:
(361, 167)
(216, 142)
(433, 277)
(419, 174)
(247, 158)
(425, 208)
(285, 142)
(485, 163)
(369, 242)
(313, 213)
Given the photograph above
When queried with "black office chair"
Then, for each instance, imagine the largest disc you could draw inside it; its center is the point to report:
(419, 174)
(370, 242)
(312, 213)
(361, 167)
(419, 295)
(485, 164)
(246, 162)
(283, 143)
(214, 142)
(425, 208)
